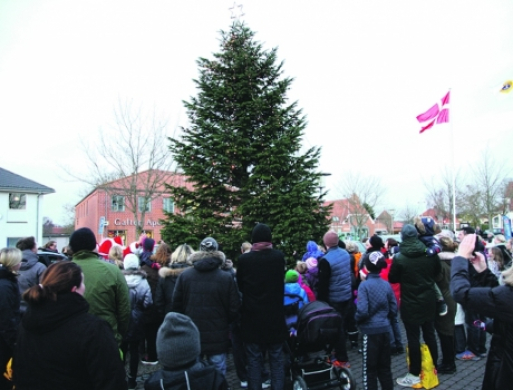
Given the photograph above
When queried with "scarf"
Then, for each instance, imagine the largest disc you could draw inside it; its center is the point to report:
(260, 246)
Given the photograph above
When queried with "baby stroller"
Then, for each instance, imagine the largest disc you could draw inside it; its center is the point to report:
(317, 327)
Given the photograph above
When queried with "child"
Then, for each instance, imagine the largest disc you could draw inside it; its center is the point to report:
(293, 290)
(178, 349)
(312, 273)
(301, 269)
(140, 300)
(426, 228)
(376, 305)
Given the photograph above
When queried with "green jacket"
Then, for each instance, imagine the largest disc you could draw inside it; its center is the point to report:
(416, 272)
(106, 291)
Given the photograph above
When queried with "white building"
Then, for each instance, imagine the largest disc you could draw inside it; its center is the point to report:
(21, 202)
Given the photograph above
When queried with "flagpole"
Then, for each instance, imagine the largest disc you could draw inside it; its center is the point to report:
(451, 121)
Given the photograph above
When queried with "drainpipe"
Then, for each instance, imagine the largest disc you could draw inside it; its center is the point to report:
(39, 239)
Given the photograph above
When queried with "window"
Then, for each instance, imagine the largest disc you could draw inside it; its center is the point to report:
(140, 203)
(12, 241)
(17, 201)
(118, 203)
(168, 205)
(335, 219)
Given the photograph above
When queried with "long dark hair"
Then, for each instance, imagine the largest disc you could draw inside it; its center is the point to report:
(58, 278)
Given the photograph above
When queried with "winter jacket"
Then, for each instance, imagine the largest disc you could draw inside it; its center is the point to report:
(61, 346)
(335, 272)
(140, 301)
(106, 291)
(376, 305)
(152, 275)
(260, 276)
(494, 302)
(312, 250)
(199, 376)
(445, 324)
(312, 277)
(9, 307)
(29, 274)
(416, 273)
(209, 296)
(432, 244)
(166, 286)
(296, 290)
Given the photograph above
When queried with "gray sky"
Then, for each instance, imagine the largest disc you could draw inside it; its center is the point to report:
(363, 71)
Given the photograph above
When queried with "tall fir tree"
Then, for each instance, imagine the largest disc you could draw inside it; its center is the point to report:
(242, 154)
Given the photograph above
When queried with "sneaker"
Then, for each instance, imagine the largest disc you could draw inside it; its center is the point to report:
(244, 384)
(266, 384)
(441, 307)
(336, 363)
(149, 362)
(410, 380)
(467, 356)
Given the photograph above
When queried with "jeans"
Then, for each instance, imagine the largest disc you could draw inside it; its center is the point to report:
(340, 347)
(239, 356)
(254, 354)
(460, 338)
(413, 336)
(219, 361)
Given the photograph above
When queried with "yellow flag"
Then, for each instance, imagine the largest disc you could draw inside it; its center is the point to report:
(506, 87)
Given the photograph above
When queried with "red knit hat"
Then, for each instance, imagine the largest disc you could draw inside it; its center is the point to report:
(330, 239)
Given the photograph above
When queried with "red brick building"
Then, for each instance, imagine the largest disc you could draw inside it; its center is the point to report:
(106, 210)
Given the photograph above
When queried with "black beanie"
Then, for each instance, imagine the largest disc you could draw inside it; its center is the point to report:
(178, 341)
(374, 261)
(376, 242)
(261, 233)
(82, 239)
(149, 244)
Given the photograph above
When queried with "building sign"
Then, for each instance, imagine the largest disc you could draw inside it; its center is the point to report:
(131, 222)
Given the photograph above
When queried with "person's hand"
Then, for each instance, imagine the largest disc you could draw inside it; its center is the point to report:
(467, 246)
(479, 262)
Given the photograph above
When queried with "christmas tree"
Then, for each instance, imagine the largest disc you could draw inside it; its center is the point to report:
(242, 152)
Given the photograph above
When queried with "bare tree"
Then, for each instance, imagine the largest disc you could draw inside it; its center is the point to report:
(363, 193)
(439, 193)
(130, 160)
(490, 175)
(408, 213)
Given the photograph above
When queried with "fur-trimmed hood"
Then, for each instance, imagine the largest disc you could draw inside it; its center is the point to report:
(174, 271)
(207, 261)
(134, 277)
(446, 256)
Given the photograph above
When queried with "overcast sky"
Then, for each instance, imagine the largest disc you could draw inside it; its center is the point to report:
(363, 71)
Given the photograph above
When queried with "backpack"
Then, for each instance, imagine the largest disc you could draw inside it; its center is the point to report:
(135, 327)
(318, 325)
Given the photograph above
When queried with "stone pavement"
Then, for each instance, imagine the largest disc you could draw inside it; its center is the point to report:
(469, 375)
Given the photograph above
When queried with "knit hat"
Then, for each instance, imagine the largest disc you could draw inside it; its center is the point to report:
(374, 261)
(291, 276)
(149, 244)
(261, 233)
(376, 242)
(82, 239)
(131, 261)
(178, 341)
(311, 263)
(408, 231)
(330, 239)
(209, 245)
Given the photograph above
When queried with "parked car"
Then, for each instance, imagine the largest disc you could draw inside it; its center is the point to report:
(48, 258)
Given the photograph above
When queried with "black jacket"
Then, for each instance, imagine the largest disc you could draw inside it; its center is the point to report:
(260, 276)
(9, 306)
(200, 376)
(209, 296)
(61, 346)
(492, 301)
(166, 286)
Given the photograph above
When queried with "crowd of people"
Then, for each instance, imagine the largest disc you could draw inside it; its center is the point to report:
(77, 324)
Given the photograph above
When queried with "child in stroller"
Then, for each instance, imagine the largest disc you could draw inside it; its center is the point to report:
(313, 328)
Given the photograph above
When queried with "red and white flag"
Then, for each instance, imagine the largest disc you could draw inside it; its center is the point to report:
(437, 114)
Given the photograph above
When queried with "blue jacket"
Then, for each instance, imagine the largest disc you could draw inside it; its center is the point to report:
(376, 305)
(335, 276)
(295, 289)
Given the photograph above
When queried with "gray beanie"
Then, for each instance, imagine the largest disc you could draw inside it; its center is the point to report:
(209, 245)
(408, 231)
(178, 341)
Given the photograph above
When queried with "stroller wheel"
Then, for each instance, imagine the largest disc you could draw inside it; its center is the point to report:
(346, 379)
(299, 384)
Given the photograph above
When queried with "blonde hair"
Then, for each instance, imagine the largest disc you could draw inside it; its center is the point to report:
(10, 257)
(116, 253)
(181, 254)
(301, 267)
(245, 247)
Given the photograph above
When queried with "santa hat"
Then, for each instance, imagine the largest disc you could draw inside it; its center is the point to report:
(118, 240)
(105, 246)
